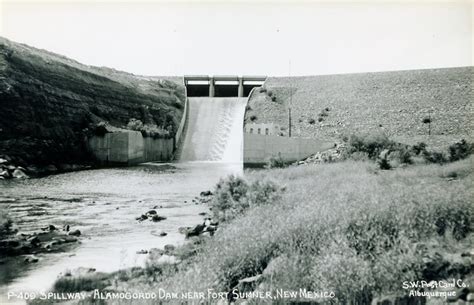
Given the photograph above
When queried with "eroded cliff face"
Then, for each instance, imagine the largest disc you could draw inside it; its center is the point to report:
(49, 104)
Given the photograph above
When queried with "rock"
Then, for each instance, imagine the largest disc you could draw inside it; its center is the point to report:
(75, 233)
(49, 228)
(66, 228)
(157, 218)
(214, 222)
(206, 193)
(202, 214)
(34, 240)
(211, 228)
(2, 161)
(198, 229)
(142, 218)
(19, 174)
(142, 252)
(151, 212)
(31, 259)
(163, 233)
(5, 174)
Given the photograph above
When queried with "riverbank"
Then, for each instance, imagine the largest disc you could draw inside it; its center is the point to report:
(360, 241)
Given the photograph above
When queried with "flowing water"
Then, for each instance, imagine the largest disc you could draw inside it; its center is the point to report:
(104, 203)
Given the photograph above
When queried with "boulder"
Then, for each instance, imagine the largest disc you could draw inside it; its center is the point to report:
(19, 174)
(211, 228)
(75, 233)
(49, 228)
(142, 218)
(206, 193)
(4, 173)
(198, 229)
(157, 218)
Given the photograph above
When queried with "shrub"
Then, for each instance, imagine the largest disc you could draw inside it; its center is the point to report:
(276, 162)
(312, 121)
(233, 195)
(460, 150)
(372, 144)
(273, 98)
(320, 119)
(149, 130)
(434, 157)
(426, 120)
(135, 124)
(253, 118)
(270, 93)
(419, 148)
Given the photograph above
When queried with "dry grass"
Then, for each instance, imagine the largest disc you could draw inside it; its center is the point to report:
(346, 227)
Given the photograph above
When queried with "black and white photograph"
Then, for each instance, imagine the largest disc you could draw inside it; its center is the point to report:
(236, 152)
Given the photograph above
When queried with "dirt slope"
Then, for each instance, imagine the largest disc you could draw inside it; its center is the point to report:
(49, 103)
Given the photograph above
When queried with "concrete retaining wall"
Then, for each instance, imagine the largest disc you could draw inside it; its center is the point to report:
(129, 147)
(259, 148)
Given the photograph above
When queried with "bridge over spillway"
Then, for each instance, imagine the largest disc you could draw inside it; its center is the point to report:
(221, 86)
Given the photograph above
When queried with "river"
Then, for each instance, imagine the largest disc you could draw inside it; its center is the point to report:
(103, 203)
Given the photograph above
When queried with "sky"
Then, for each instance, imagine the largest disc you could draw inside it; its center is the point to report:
(247, 38)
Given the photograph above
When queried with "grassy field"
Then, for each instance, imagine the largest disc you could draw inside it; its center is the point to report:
(397, 103)
(346, 227)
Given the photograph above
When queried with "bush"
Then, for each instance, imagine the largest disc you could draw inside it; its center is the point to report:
(434, 157)
(312, 121)
(276, 162)
(148, 130)
(253, 118)
(426, 120)
(419, 148)
(460, 150)
(372, 144)
(234, 195)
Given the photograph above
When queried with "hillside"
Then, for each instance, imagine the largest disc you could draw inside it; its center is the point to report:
(49, 103)
(396, 103)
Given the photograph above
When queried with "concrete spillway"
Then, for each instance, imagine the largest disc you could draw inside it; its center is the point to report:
(215, 130)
